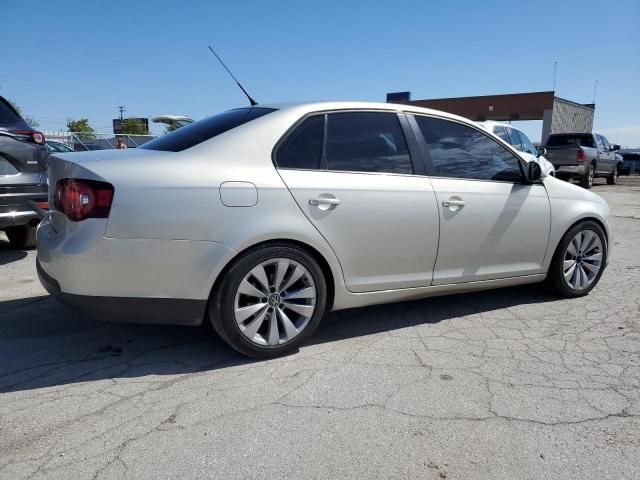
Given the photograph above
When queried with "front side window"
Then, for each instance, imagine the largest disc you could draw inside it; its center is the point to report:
(198, 132)
(607, 146)
(459, 151)
(366, 142)
(527, 146)
(302, 148)
(600, 143)
(501, 132)
(514, 139)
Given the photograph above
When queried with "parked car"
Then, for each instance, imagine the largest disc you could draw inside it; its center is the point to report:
(60, 147)
(262, 219)
(23, 182)
(630, 161)
(519, 140)
(584, 156)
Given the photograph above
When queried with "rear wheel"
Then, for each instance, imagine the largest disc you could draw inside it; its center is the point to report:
(613, 178)
(270, 301)
(579, 260)
(586, 181)
(22, 237)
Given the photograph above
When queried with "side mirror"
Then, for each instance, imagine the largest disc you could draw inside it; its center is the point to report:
(615, 147)
(534, 172)
(541, 151)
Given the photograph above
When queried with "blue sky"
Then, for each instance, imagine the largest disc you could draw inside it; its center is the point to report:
(83, 59)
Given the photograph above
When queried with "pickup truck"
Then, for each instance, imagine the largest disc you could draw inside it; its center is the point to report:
(584, 156)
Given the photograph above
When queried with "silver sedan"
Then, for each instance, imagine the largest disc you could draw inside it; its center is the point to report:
(263, 219)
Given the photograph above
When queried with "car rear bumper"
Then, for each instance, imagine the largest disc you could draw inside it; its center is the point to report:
(18, 205)
(127, 309)
(571, 170)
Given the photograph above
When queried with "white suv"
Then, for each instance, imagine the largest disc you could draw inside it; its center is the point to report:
(519, 140)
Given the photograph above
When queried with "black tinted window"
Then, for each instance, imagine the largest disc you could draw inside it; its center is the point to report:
(198, 132)
(572, 140)
(303, 147)
(7, 115)
(460, 151)
(366, 142)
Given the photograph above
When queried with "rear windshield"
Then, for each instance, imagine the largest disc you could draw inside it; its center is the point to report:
(571, 140)
(7, 115)
(198, 132)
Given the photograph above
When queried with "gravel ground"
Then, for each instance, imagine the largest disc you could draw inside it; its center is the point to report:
(509, 384)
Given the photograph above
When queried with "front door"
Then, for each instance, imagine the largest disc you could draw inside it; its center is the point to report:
(492, 224)
(356, 184)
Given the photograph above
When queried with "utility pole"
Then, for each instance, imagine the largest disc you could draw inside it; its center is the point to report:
(595, 89)
(122, 110)
(555, 70)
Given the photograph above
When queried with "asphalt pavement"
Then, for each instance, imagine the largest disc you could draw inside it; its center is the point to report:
(503, 384)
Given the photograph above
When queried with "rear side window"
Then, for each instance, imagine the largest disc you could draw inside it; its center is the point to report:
(459, 151)
(198, 132)
(7, 115)
(366, 142)
(303, 147)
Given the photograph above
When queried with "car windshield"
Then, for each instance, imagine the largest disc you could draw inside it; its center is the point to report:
(198, 132)
(571, 140)
(7, 115)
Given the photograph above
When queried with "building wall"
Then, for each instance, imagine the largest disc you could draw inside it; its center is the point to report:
(569, 117)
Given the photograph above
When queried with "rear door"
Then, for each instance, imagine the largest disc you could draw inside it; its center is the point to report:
(356, 177)
(22, 162)
(492, 224)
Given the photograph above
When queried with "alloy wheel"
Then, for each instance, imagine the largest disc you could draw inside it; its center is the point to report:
(582, 260)
(275, 301)
(591, 174)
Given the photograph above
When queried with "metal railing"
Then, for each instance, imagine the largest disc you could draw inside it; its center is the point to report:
(81, 141)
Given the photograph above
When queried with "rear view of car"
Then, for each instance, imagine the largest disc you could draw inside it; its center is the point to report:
(23, 182)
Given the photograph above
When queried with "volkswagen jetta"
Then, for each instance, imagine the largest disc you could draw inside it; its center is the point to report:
(263, 219)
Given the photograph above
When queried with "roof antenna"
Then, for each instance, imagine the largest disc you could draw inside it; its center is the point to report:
(251, 100)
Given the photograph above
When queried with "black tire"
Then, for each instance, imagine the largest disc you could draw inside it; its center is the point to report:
(221, 305)
(613, 178)
(555, 276)
(586, 181)
(22, 237)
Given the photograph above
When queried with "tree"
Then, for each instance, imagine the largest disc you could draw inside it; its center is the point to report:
(81, 127)
(131, 126)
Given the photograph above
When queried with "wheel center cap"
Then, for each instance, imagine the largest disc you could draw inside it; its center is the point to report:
(274, 300)
(579, 259)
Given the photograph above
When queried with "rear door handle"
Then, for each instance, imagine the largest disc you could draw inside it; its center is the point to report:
(453, 203)
(324, 201)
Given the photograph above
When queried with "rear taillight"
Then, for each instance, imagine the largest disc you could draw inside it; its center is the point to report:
(26, 135)
(80, 199)
(581, 155)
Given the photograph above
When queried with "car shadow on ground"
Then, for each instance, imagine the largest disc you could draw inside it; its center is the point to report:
(43, 344)
(9, 254)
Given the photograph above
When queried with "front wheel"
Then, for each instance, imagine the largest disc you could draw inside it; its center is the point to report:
(22, 237)
(270, 301)
(579, 260)
(586, 181)
(613, 178)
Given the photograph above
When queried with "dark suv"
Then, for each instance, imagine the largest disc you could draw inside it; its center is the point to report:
(23, 177)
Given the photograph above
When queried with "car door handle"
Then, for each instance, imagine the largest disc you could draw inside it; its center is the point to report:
(324, 201)
(453, 203)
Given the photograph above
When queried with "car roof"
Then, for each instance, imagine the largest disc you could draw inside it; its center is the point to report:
(310, 107)
(499, 124)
